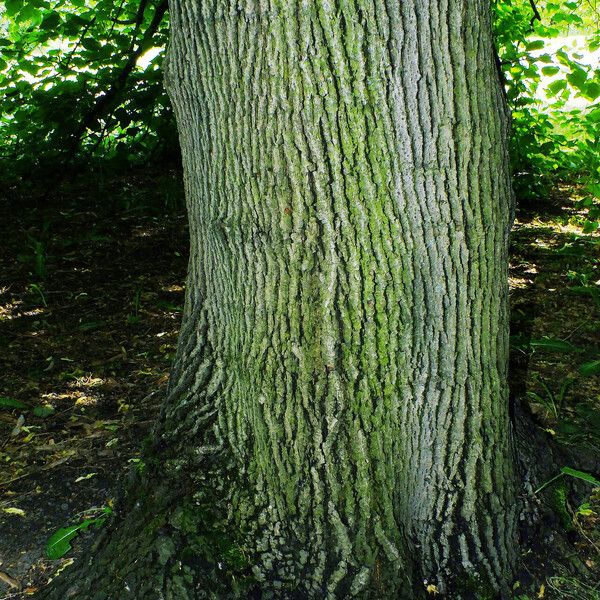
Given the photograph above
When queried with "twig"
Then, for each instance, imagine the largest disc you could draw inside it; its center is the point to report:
(76, 47)
(3, 483)
(116, 19)
(56, 463)
(6, 578)
(577, 329)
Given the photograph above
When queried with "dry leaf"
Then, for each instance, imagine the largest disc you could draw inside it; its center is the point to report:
(11, 510)
(9, 580)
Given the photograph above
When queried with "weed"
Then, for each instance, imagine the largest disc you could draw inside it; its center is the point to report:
(36, 289)
(134, 316)
(553, 401)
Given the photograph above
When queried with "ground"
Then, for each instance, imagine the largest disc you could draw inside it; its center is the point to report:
(91, 290)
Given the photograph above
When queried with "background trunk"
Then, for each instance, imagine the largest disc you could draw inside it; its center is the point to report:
(339, 399)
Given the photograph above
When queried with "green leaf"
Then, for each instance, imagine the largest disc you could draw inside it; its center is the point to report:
(31, 14)
(563, 57)
(60, 543)
(43, 411)
(577, 78)
(51, 21)
(592, 90)
(580, 475)
(535, 45)
(552, 345)
(10, 403)
(84, 477)
(590, 368)
(550, 70)
(91, 44)
(13, 7)
(556, 86)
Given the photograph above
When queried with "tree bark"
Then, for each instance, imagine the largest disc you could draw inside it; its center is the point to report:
(338, 409)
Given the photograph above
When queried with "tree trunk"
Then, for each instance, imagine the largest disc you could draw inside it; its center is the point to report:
(337, 422)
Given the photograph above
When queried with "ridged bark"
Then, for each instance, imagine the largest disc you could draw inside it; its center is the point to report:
(340, 389)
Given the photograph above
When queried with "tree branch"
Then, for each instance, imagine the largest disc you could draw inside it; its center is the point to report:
(76, 47)
(536, 13)
(104, 102)
(107, 101)
(115, 19)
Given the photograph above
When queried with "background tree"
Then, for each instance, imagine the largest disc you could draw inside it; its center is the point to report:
(82, 79)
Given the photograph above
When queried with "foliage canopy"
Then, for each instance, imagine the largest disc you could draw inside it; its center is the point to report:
(81, 82)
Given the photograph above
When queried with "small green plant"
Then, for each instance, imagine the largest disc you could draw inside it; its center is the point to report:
(139, 464)
(544, 343)
(11, 403)
(585, 510)
(71, 375)
(134, 317)
(590, 368)
(39, 257)
(584, 286)
(35, 256)
(36, 289)
(43, 411)
(554, 401)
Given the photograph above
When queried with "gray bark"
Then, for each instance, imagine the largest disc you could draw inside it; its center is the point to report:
(340, 394)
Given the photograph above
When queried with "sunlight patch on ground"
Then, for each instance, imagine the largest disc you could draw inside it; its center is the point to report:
(78, 397)
(570, 228)
(87, 381)
(519, 283)
(69, 395)
(86, 401)
(10, 310)
(542, 244)
(172, 288)
(32, 313)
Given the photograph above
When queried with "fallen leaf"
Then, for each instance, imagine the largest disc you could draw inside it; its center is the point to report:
(84, 477)
(9, 580)
(12, 510)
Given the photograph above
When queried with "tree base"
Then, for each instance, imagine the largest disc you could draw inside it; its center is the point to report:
(173, 543)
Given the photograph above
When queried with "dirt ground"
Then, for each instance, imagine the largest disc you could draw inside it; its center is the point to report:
(91, 291)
